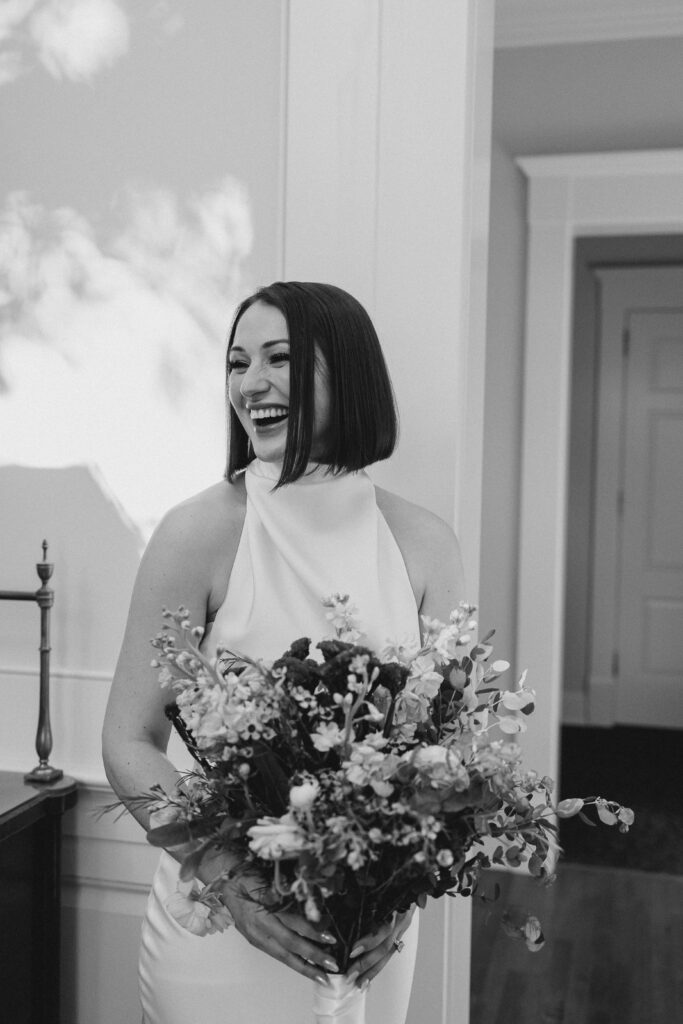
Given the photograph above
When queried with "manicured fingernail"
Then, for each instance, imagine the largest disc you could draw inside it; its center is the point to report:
(356, 951)
(322, 979)
(351, 978)
(326, 937)
(364, 986)
(331, 966)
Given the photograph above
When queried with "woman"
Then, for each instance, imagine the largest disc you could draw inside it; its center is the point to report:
(296, 519)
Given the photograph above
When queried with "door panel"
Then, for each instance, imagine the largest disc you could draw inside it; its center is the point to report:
(636, 658)
(650, 648)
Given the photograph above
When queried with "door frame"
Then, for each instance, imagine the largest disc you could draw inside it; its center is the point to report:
(569, 196)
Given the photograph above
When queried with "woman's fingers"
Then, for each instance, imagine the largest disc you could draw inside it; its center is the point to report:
(298, 923)
(282, 936)
(373, 952)
(292, 958)
(396, 924)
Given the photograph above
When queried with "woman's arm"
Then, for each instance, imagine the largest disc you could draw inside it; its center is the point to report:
(187, 562)
(431, 553)
(176, 569)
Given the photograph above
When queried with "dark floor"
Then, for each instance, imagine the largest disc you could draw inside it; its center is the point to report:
(613, 952)
(613, 920)
(640, 768)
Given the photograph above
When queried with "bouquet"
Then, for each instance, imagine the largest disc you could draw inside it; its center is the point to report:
(357, 785)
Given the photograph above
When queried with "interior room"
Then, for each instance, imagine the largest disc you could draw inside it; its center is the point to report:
(500, 184)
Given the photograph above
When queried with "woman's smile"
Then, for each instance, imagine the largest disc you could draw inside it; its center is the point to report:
(264, 416)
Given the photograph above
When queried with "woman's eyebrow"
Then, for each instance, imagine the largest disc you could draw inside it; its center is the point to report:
(266, 344)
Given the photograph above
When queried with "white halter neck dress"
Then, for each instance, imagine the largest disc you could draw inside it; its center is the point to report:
(324, 534)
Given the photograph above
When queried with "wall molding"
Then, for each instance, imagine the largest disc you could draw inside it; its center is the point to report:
(81, 674)
(568, 196)
(521, 23)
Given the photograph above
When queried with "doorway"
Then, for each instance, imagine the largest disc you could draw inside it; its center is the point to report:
(623, 660)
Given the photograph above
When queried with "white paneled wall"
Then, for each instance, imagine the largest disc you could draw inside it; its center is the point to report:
(383, 120)
(107, 867)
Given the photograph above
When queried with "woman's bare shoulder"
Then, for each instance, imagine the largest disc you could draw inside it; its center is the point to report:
(217, 509)
(415, 522)
(202, 530)
(430, 550)
(190, 555)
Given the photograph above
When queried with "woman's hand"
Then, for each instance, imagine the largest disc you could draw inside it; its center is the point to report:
(286, 936)
(373, 952)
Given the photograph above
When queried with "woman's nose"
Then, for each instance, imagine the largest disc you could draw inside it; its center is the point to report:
(254, 381)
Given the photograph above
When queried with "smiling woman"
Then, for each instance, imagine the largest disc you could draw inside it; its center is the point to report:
(339, 408)
(252, 557)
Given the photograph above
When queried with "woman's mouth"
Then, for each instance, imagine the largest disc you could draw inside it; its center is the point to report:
(265, 417)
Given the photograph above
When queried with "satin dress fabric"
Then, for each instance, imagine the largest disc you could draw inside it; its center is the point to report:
(300, 543)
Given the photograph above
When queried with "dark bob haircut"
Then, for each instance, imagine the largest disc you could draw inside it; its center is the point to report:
(363, 421)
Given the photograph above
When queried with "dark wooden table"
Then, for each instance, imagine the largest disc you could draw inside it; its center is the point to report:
(30, 900)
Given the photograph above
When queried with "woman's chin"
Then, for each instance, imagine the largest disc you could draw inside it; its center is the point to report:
(269, 449)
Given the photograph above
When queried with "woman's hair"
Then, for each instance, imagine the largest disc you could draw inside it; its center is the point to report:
(363, 424)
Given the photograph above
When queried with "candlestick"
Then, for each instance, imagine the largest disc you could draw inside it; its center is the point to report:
(44, 596)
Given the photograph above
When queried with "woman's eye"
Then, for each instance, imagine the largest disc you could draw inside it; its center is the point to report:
(236, 364)
(279, 358)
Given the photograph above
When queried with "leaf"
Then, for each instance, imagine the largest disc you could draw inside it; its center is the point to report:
(174, 834)
(191, 864)
(535, 866)
(605, 815)
(513, 855)
(569, 807)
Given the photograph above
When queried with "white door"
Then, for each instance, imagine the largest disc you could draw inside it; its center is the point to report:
(638, 642)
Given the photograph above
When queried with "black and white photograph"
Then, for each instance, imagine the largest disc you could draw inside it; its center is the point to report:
(341, 494)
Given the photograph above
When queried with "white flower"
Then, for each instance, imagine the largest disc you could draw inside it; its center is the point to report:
(184, 906)
(276, 838)
(368, 766)
(311, 910)
(403, 651)
(343, 617)
(327, 736)
(381, 787)
(220, 919)
(441, 765)
(301, 797)
(443, 640)
(423, 680)
(424, 757)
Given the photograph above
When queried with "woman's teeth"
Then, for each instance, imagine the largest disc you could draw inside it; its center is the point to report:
(271, 415)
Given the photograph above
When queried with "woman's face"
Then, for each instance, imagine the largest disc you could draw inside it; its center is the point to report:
(258, 383)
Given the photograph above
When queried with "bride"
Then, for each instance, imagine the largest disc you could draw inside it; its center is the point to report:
(296, 519)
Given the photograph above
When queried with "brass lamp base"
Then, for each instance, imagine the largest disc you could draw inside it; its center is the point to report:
(44, 773)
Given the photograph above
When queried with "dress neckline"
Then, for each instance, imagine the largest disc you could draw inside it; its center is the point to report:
(315, 473)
